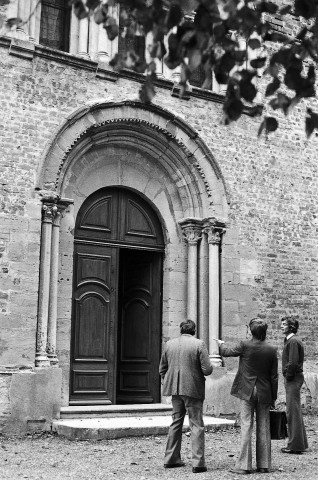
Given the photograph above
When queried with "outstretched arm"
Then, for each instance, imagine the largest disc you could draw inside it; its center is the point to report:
(235, 351)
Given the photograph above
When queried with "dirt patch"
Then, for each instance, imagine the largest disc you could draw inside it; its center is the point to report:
(49, 457)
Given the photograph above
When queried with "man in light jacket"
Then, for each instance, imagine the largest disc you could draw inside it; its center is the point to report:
(184, 364)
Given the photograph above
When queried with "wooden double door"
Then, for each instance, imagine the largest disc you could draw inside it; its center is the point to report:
(116, 312)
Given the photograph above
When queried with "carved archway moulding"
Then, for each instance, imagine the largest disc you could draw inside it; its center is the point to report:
(147, 128)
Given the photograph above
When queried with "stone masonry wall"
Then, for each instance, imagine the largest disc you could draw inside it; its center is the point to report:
(269, 255)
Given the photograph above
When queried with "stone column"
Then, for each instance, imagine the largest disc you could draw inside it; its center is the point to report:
(74, 33)
(112, 48)
(24, 14)
(52, 208)
(52, 311)
(192, 232)
(104, 52)
(48, 212)
(93, 40)
(203, 290)
(158, 63)
(34, 22)
(83, 38)
(214, 234)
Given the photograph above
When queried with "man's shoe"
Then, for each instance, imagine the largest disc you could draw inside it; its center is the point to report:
(174, 465)
(263, 470)
(287, 450)
(240, 471)
(199, 469)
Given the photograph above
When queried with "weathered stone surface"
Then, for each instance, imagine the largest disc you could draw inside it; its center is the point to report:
(35, 400)
(266, 190)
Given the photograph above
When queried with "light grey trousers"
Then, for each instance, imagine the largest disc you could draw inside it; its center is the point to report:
(263, 436)
(181, 404)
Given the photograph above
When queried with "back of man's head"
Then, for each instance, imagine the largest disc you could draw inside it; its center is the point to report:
(187, 326)
(258, 328)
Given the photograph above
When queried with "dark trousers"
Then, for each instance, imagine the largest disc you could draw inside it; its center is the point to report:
(182, 404)
(297, 438)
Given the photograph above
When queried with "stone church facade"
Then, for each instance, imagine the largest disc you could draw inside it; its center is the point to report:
(119, 220)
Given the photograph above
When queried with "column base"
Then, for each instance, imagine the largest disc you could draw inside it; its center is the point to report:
(103, 57)
(54, 362)
(42, 361)
(216, 360)
(84, 55)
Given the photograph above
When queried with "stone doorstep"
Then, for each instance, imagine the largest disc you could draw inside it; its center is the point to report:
(101, 411)
(119, 427)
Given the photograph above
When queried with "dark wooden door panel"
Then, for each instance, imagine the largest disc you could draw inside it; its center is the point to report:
(139, 327)
(99, 220)
(120, 216)
(94, 306)
(92, 322)
(114, 233)
(138, 223)
(93, 268)
(87, 382)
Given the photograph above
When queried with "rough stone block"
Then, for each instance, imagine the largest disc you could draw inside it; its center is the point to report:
(35, 400)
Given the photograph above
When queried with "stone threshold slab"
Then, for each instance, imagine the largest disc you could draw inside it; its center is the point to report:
(119, 427)
(91, 411)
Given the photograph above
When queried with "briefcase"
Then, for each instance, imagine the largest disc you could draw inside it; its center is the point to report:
(278, 423)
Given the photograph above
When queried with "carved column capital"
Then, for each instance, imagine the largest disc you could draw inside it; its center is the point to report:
(49, 212)
(192, 234)
(214, 236)
(214, 231)
(53, 206)
(191, 230)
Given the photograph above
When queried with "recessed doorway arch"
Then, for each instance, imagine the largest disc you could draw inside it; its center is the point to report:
(116, 310)
(159, 156)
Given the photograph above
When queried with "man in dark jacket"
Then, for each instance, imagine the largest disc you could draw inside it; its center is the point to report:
(292, 365)
(255, 384)
(183, 366)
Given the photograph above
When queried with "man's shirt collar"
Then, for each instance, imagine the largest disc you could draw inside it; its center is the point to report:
(289, 336)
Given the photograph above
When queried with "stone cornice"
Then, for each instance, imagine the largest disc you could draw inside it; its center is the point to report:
(28, 50)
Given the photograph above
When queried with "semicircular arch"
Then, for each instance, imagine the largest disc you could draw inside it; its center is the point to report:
(143, 147)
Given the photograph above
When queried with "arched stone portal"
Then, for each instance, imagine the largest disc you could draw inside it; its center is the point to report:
(160, 157)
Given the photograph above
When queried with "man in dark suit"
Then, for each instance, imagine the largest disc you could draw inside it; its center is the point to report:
(183, 366)
(255, 384)
(292, 365)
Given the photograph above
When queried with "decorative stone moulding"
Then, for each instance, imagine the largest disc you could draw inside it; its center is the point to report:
(22, 48)
(133, 121)
(100, 122)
